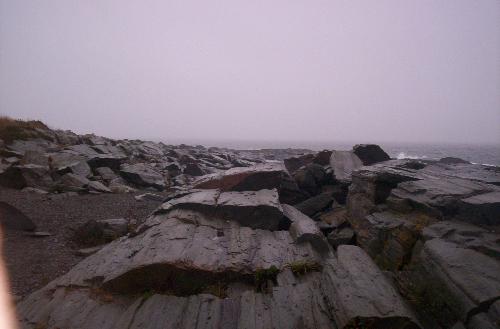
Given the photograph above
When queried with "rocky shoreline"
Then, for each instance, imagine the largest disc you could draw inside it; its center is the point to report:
(190, 237)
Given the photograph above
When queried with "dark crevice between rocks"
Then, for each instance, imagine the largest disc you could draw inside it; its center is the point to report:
(381, 323)
(386, 183)
(481, 308)
(172, 280)
(432, 301)
(409, 255)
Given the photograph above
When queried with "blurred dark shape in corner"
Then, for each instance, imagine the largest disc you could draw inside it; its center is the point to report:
(7, 309)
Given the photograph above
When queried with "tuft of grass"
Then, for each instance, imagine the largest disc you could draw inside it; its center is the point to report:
(12, 129)
(263, 276)
(299, 268)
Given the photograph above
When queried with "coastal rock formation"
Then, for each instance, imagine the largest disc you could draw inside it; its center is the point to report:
(243, 239)
(191, 270)
(421, 224)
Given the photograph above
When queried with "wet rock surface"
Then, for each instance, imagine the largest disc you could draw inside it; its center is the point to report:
(243, 239)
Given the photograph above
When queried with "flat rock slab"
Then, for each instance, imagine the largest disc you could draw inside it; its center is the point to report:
(348, 292)
(256, 209)
(254, 178)
(187, 244)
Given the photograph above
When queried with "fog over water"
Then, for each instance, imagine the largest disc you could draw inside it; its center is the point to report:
(383, 71)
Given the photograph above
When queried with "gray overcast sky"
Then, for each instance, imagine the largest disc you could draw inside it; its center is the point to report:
(422, 71)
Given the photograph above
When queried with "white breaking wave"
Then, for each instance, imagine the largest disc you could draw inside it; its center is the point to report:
(484, 164)
(403, 155)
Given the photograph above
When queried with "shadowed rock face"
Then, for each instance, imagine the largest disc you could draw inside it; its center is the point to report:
(261, 176)
(13, 218)
(26, 175)
(420, 223)
(370, 154)
(143, 175)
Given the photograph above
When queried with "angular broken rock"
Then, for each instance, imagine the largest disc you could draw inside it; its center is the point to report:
(106, 173)
(93, 233)
(144, 175)
(481, 209)
(256, 209)
(343, 164)
(75, 183)
(106, 160)
(30, 175)
(362, 295)
(304, 229)
(469, 276)
(98, 187)
(292, 164)
(370, 154)
(315, 204)
(13, 218)
(261, 176)
(80, 168)
(389, 204)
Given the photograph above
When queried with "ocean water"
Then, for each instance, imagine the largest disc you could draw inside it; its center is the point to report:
(481, 154)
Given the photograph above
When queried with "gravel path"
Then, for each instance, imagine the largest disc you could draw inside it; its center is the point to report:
(33, 262)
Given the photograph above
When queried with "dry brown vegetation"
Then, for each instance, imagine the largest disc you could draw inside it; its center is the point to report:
(11, 129)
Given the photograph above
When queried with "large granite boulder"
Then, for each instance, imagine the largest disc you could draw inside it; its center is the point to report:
(370, 154)
(143, 175)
